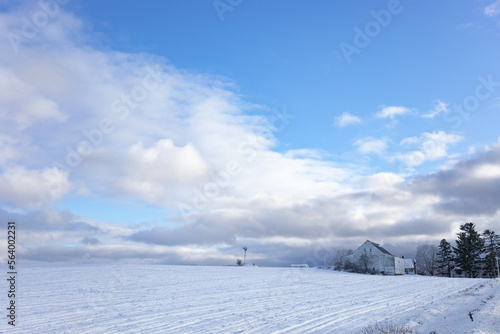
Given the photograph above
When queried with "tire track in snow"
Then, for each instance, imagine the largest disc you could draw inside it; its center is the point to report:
(347, 318)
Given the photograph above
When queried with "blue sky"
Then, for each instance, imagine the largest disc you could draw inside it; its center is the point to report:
(286, 55)
(282, 125)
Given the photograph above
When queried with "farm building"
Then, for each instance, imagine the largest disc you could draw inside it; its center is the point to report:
(379, 259)
(409, 267)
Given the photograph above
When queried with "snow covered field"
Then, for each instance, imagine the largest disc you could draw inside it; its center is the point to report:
(190, 299)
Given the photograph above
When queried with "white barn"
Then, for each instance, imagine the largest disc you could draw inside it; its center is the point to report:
(380, 259)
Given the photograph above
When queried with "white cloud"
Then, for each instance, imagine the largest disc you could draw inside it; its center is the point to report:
(492, 9)
(370, 145)
(20, 187)
(158, 172)
(9, 148)
(431, 146)
(346, 119)
(439, 108)
(382, 180)
(487, 171)
(392, 111)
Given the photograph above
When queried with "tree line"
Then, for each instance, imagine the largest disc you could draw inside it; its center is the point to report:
(474, 254)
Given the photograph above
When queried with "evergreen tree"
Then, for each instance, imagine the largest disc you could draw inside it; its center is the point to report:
(445, 262)
(469, 248)
(492, 248)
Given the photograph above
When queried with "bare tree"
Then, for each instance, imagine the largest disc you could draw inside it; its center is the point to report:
(365, 262)
(337, 258)
(427, 259)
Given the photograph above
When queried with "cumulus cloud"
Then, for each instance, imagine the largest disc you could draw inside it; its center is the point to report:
(154, 173)
(346, 119)
(23, 188)
(382, 180)
(431, 146)
(392, 111)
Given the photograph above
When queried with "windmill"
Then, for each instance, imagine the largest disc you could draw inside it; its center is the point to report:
(245, 255)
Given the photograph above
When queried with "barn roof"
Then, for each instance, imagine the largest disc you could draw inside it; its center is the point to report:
(380, 248)
(409, 264)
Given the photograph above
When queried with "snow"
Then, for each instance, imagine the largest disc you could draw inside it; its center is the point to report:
(192, 299)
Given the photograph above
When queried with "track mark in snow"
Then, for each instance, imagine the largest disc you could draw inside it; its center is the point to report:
(481, 300)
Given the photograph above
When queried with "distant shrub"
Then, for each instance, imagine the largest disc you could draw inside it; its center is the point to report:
(352, 267)
(379, 328)
(359, 267)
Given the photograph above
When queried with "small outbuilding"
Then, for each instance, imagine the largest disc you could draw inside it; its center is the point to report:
(409, 267)
(377, 258)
